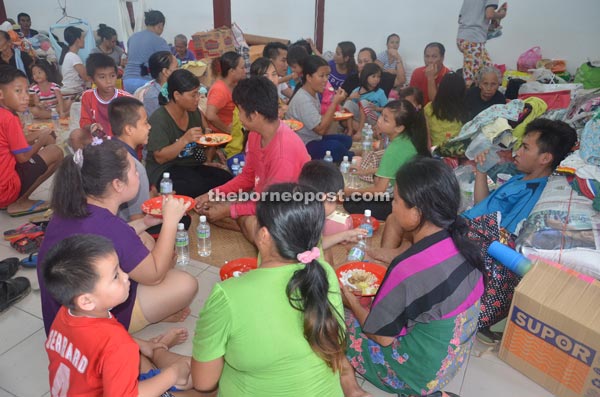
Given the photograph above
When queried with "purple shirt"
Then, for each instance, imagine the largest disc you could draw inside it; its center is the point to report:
(189, 55)
(129, 247)
(336, 79)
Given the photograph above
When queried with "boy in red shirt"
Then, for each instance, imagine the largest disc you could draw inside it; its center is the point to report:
(23, 165)
(274, 154)
(90, 353)
(94, 103)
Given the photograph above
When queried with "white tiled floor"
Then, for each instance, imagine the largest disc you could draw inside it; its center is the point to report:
(23, 362)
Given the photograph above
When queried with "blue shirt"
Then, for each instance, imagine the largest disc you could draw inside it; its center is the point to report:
(141, 46)
(515, 200)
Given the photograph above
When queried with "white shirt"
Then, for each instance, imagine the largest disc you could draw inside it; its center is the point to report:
(72, 82)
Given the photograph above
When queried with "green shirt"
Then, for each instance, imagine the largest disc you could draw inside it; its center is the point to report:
(165, 132)
(250, 322)
(398, 152)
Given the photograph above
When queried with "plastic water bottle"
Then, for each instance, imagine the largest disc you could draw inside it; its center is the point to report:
(367, 224)
(352, 181)
(203, 234)
(242, 165)
(367, 140)
(166, 184)
(235, 167)
(182, 246)
(345, 168)
(27, 117)
(328, 157)
(55, 119)
(357, 253)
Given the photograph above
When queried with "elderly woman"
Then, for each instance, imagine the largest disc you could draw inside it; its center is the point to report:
(13, 56)
(485, 93)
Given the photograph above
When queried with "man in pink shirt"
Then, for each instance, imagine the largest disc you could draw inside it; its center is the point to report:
(427, 78)
(274, 154)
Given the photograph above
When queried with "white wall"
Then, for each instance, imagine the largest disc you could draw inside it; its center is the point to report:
(564, 29)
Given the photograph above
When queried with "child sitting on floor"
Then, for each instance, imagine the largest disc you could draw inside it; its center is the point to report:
(94, 103)
(90, 352)
(45, 92)
(24, 164)
(327, 179)
(369, 94)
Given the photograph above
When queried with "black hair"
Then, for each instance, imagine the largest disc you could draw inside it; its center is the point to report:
(449, 102)
(310, 66)
(158, 61)
(322, 176)
(9, 73)
(259, 66)
(368, 70)
(22, 14)
(99, 61)
(257, 94)
(413, 120)
(430, 185)
(390, 37)
(437, 45)
(101, 165)
(555, 137)
(181, 81)
(301, 43)
(348, 50)
(71, 34)
(370, 51)
(296, 227)
(412, 91)
(153, 18)
(106, 32)
(296, 55)
(51, 74)
(123, 111)
(271, 50)
(69, 267)
(222, 65)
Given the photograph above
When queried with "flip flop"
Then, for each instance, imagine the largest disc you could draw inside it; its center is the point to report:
(30, 261)
(38, 206)
(22, 231)
(42, 219)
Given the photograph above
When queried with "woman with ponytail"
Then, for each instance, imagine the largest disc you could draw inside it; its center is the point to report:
(89, 187)
(277, 330)
(72, 67)
(422, 323)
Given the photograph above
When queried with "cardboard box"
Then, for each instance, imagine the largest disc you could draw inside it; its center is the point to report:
(553, 331)
(212, 44)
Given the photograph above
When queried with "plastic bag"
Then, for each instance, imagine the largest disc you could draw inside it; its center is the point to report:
(590, 141)
(528, 59)
(589, 75)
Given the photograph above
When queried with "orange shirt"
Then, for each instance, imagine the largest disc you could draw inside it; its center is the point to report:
(419, 80)
(220, 97)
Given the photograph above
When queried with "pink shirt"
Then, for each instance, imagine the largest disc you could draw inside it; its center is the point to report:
(280, 161)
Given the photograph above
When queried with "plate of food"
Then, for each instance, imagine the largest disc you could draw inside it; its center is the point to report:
(153, 206)
(237, 267)
(214, 139)
(294, 124)
(357, 220)
(64, 121)
(39, 126)
(339, 116)
(364, 277)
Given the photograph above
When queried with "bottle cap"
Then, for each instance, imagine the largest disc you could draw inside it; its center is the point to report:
(345, 158)
(166, 175)
(180, 226)
(367, 212)
(242, 163)
(236, 160)
(328, 153)
(202, 218)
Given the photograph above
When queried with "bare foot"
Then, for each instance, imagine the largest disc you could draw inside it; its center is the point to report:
(173, 337)
(178, 317)
(351, 388)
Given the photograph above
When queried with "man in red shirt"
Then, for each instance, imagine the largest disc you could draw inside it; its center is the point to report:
(274, 154)
(427, 78)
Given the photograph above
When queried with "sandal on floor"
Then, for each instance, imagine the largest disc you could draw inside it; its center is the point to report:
(8, 268)
(30, 261)
(489, 337)
(22, 231)
(42, 219)
(38, 206)
(12, 291)
(29, 244)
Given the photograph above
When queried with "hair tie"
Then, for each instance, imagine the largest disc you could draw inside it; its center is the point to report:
(164, 90)
(96, 141)
(78, 158)
(308, 256)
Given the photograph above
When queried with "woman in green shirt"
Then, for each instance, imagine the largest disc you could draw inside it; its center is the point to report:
(407, 133)
(277, 330)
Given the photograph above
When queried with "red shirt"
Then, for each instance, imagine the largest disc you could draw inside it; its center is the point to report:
(280, 161)
(95, 110)
(12, 142)
(91, 357)
(220, 97)
(419, 80)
